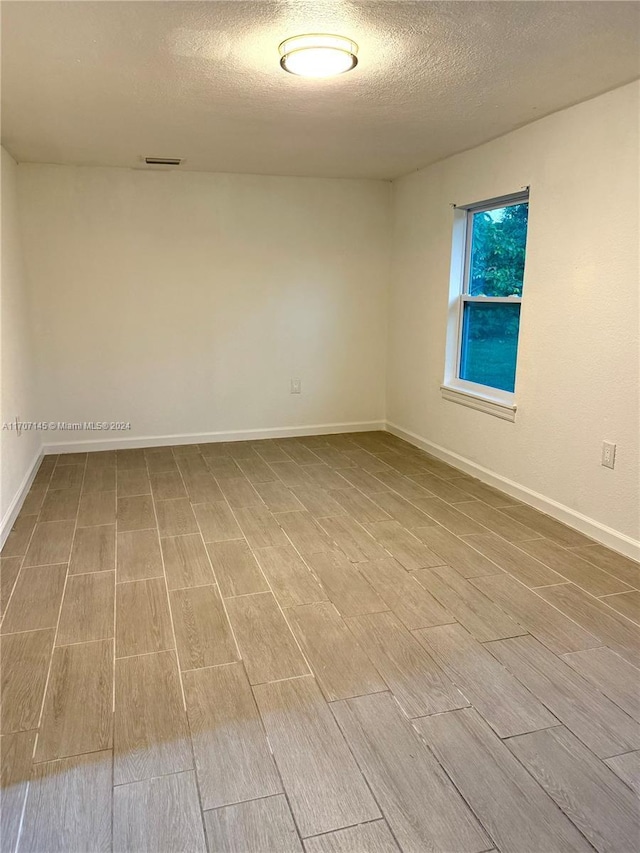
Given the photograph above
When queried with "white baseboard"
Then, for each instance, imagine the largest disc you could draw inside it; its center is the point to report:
(206, 437)
(613, 539)
(16, 504)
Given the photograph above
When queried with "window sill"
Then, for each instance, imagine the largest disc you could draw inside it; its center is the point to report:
(503, 408)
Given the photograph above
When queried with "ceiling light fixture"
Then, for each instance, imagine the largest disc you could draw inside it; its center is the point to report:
(318, 55)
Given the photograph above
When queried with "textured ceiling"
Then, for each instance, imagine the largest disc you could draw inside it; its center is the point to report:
(106, 83)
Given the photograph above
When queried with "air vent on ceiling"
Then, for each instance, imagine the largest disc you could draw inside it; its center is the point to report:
(162, 161)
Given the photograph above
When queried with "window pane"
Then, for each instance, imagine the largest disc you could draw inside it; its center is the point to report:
(490, 343)
(498, 240)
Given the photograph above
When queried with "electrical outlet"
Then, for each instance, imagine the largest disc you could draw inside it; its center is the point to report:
(608, 454)
(296, 386)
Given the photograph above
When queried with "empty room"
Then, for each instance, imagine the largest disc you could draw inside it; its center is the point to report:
(320, 446)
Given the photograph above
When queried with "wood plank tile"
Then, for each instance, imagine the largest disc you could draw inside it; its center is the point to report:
(101, 459)
(588, 792)
(626, 603)
(23, 675)
(202, 488)
(359, 506)
(401, 510)
(573, 568)
(611, 675)
(203, 633)
(260, 527)
(131, 457)
(352, 539)
(135, 513)
(36, 599)
(365, 482)
(621, 567)
(99, 479)
(447, 490)
(482, 492)
(304, 532)
(417, 682)
(175, 517)
(448, 516)
(167, 485)
(16, 752)
(345, 585)
(186, 562)
(278, 497)
(318, 502)
(184, 451)
(479, 615)
(45, 470)
(408, 599)
(373, 837)
(289, 577)
(405, 487)
(423, 809)
(19, 536)
(511, 559)
(547, 526)
(325, 477)
(97, 508)
(233, 762)
(497, 521)
(132, 481)
(139, 555)
(235, 568)
(455, 552)
(298, 452)
(67, 476)
(87, 608)
(94, 550)
(161, 463)
(505, 704)
(60, 505)
(50, 543)
(614, 630)
(599, 724)
(253, 827)
(517, 813)
(256, 471)
(70, 725)
(551, 627)
(267, 646)
(270, 452)
(69, 805)
(9, 568)
(239, 492)
(33, 501)
(143, 622)
(151, 736)
(627, 768)
(158, 814)
(403, 545)
(291, 473)
(331, 456)
(341, 667)
(326, 790)
(216, 522)
(366, 462)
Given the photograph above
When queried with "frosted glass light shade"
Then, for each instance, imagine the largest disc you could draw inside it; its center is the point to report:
(318, 55)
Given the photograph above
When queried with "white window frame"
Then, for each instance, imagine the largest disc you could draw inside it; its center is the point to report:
(493, 401)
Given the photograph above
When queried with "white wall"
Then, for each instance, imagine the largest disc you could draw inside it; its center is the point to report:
(17, 452)
(577, 381)
(185, 302)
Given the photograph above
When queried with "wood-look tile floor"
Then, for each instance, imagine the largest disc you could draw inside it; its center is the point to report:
(333, 644)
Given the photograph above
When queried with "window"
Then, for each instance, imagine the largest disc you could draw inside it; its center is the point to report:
(486, 294)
